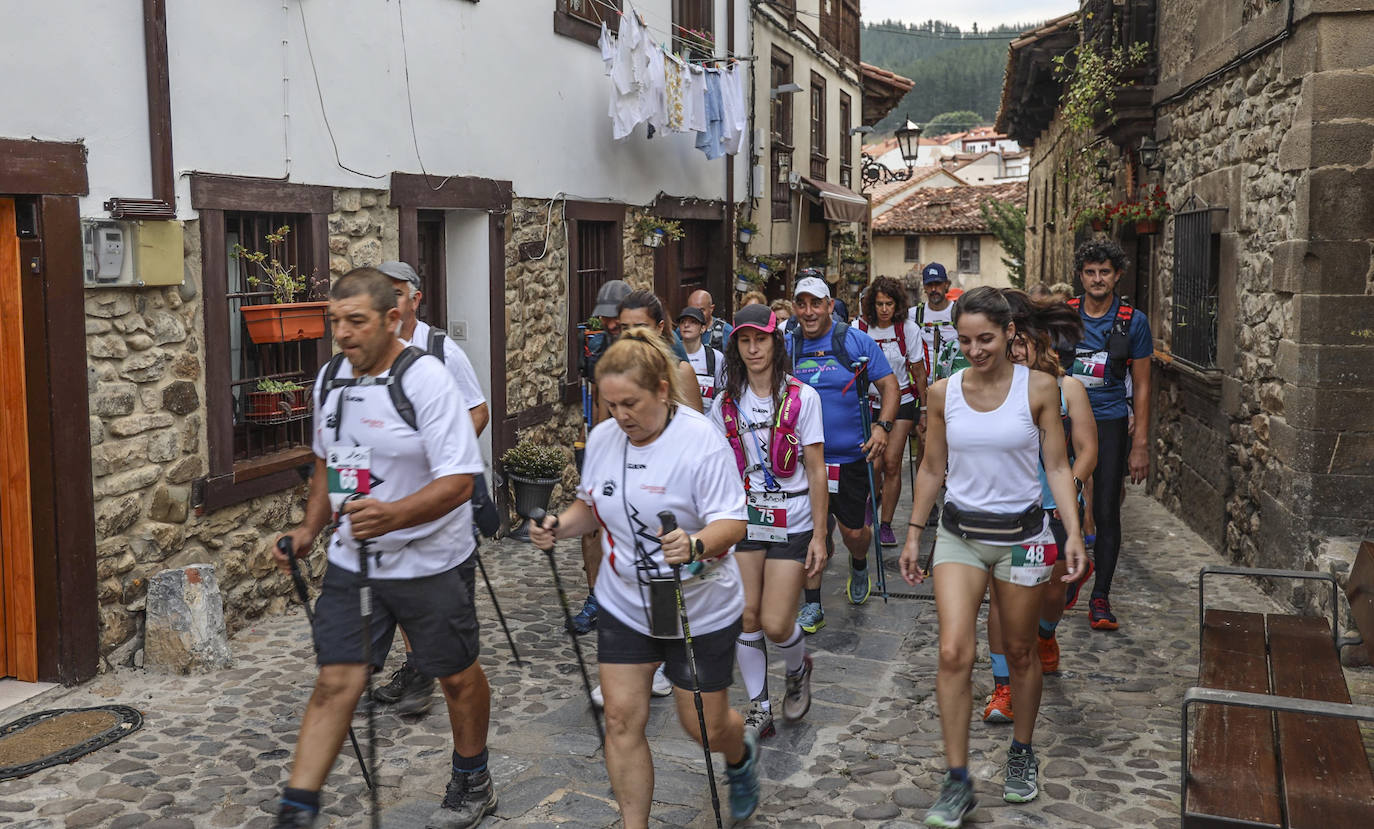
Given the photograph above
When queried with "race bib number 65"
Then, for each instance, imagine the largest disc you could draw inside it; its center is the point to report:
(349, 473)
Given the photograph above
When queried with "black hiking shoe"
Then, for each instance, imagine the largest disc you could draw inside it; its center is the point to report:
(409, 690)
(470, 796)
(289, 814)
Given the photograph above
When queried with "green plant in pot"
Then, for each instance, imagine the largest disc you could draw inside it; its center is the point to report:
(747, 229)
(534, 469)
(656, 232)
(289, 317)
(276, 401)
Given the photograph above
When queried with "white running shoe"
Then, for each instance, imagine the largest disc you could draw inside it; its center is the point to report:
(662, 687)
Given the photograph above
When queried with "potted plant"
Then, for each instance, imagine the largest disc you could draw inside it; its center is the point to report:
(1098, 217)
(285, 319)
(276, 401)
(534, 469)
(747, 229)
(749, 275)
(1145, 214)
(656, 232)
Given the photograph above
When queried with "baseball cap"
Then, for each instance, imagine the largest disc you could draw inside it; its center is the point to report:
(814, 286)
(609, 296)
(401, 271)
(758, 317)
(934, 272)
(693, 312)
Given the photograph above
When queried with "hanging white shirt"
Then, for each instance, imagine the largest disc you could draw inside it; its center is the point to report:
(736, 110)
(688, 469)
(694, 101)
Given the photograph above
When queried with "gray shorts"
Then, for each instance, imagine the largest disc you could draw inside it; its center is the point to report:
(436, 612)
(1027, 564)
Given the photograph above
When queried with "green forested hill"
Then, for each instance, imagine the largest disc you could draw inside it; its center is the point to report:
(953, 69)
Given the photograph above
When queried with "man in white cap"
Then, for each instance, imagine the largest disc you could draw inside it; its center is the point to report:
(825, 354)
(409, 690)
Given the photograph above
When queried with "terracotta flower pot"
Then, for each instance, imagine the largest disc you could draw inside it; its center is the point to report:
(1146, 227)
(1099, 225)
(286, 323)
(269, 407)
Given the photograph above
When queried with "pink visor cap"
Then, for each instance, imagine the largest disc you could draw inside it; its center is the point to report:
(756, 316)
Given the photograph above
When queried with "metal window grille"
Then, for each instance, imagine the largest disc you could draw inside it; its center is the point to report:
(911, 251)
(968, 254)
(1197, 263)
(594, 264)
(267, 422)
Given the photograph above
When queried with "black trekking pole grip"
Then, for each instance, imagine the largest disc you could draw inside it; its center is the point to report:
(537, 516)
(288, 548)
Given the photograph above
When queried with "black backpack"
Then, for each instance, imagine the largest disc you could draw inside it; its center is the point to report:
(838, 332)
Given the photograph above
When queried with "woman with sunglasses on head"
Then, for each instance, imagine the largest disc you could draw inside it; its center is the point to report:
(656, 454)
(773, 424)
(643, 309)
(987, 428)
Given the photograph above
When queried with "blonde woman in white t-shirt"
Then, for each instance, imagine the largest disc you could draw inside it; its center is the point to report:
(655, 454)
(781, 458)
(988, 428)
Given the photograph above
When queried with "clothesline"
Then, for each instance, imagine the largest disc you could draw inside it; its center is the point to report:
(697, 35)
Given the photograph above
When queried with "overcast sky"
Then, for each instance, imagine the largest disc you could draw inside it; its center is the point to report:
(986, 13)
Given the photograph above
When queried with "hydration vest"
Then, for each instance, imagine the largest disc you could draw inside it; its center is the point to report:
(900, 327)
(784, 448)
(1118, 339)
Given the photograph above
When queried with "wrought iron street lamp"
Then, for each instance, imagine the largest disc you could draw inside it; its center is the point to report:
(1150, 156)
(909, 143)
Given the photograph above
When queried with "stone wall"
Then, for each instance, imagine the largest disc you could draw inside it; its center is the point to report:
(146, 368)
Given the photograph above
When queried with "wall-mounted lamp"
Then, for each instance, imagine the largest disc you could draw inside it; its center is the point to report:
(1104, 171)
(1150, 156)
(786, 89)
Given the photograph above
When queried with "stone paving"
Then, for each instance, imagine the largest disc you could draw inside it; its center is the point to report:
(215, 748)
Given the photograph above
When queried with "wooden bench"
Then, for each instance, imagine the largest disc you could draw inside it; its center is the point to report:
(1276, 741)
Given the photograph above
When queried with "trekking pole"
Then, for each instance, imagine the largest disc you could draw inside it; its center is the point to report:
(864, 418)
(669, 522)
(515, 654)
(303, 593)
(537, 515)
(365, 611)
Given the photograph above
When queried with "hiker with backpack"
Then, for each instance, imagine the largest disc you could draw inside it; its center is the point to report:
(395, 458)
(707, 362)
(773, 423)
(1116, 345)
(830, 356)
(884, 318)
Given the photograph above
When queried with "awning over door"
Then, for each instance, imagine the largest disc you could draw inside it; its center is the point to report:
(840, 204)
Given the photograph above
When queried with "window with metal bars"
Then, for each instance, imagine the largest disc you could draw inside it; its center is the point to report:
(846, 140)
(970, 249)
(1197, 266)
(911, 248)
(269, 383)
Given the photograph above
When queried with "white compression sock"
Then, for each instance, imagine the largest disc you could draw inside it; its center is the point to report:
(751, 652)
(793, 650)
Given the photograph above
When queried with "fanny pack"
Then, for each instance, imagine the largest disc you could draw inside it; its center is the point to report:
(992, 526)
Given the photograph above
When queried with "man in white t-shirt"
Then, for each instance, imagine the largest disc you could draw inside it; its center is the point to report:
(395, 458)
(935, 317)
(707, 362)
(409, 690)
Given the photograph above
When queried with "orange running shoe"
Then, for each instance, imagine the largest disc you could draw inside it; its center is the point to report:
(1049, 655)
(999, 707)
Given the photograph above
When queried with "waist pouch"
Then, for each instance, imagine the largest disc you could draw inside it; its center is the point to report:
(993, 526)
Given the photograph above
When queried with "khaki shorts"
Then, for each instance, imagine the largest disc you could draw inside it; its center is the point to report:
(1028, 564)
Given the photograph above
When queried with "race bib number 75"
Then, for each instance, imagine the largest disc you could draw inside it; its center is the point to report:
(349, 473)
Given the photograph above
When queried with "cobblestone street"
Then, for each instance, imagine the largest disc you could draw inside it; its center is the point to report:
(215, 749)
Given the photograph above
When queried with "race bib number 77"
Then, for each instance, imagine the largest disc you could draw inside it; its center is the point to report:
(349, 473)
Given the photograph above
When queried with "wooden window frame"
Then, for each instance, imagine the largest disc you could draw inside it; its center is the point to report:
(585, 25)
(575, 212)
(818, 122)
(908, 253)
(781, 116)
(230, 483)
(696, 15)
(846, 140)
(975, 251)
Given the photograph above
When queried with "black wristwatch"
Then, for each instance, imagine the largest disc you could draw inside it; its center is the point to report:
(886, 424)
(698, 550)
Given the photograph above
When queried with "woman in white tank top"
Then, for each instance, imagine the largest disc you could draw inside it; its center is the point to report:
(989, 425)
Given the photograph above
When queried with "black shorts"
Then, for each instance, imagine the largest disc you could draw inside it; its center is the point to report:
(619, 644)
(851, 502)
(436, 612)
(905, 411)
(793, 549)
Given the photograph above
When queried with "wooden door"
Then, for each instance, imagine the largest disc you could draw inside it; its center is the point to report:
(693, 263)
(18, 635)
(430, 232)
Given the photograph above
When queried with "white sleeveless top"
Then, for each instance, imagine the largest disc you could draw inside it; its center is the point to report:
(994, 457)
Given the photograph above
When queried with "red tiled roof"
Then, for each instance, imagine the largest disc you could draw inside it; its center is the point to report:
(946, 209)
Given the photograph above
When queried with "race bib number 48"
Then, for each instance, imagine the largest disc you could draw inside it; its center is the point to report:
(1032, 564)
(349, 472)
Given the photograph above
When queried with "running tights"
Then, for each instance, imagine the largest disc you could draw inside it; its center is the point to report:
(1113, 445)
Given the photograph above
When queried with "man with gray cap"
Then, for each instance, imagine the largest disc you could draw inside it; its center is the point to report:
(409, 690)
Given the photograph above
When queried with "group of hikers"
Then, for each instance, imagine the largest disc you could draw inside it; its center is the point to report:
(719, 459)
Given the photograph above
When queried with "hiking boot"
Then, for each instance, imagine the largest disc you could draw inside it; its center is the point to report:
(1049, 654)
(759, 722)
(744, 781)
(585, 619)
(999, 707)
(1023, 773)
(811, 617)
(1100, 614)
(409, 690)
(956, 800)
(796, 701)
(859, 585)
(289, 814)
(1072, 593)
(886, 536)
(470, 796)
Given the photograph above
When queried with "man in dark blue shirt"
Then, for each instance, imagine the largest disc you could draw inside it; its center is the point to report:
(815, 361)
(1116, 346)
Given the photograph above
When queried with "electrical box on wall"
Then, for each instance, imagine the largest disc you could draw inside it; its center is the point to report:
(132, 254)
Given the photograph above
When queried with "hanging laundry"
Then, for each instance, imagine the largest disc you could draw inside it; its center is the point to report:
(675, 90)
(656, 104)
(607, 47)
(736, 115)
(694, 101)
(631, 99)
(711, 141)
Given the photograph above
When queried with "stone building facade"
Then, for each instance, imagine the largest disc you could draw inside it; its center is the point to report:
(1264, 121)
